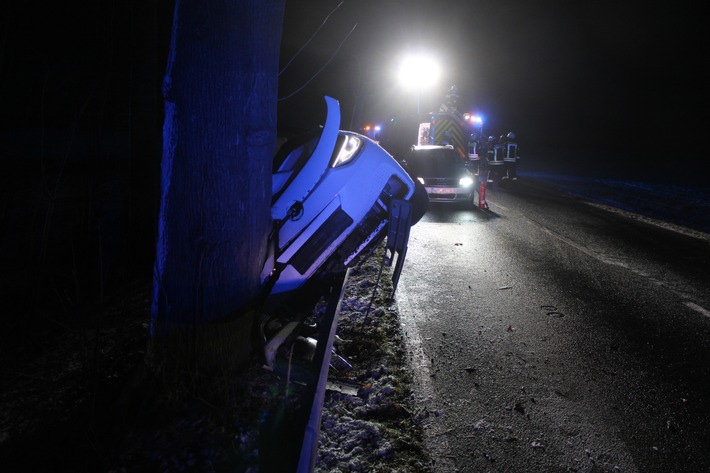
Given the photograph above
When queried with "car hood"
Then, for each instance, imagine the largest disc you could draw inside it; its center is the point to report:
(433, 171)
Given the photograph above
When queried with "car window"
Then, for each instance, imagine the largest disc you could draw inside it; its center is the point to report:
(434, 161)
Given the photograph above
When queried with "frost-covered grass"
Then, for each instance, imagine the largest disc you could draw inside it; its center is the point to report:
(377, 429)
(687, 205)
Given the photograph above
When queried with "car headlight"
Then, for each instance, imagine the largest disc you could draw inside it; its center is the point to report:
(346, 148)
(421, 179)
(465, 182)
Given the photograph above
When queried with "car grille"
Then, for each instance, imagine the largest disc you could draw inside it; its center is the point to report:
(333, 227)
(372, 229)
(443, 196)
(369, 231)
(441, 182)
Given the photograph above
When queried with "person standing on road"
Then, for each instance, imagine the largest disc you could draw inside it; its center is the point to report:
(510, 156)
(494, 158)
(474, 153)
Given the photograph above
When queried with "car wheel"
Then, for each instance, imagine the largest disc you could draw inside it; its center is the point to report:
(420, 201)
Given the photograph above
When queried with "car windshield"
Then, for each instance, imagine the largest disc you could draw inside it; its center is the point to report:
(434, 161)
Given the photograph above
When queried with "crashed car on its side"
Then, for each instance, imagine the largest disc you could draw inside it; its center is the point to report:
(332, 192)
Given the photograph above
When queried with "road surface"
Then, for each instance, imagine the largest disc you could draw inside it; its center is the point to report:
(549, 335)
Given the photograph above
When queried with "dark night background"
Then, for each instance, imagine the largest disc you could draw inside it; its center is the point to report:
(618, 86)
(611, 81)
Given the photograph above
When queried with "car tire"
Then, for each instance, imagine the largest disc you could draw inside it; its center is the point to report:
(420, 201)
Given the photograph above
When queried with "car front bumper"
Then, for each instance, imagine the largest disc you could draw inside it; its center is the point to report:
(449, 194)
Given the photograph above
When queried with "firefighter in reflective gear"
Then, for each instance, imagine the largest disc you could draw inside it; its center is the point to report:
(474, 153)
(510, 156)
(489, 146)
(494, 158)
(486, 151)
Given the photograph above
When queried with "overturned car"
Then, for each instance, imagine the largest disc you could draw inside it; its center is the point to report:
(333, 194)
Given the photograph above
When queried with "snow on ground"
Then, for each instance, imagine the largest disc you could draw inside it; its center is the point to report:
(374, 428)
(678, 205)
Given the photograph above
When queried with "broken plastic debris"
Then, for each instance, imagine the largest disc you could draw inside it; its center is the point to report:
(341, 387)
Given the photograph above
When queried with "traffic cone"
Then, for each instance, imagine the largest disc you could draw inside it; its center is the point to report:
(482, 204)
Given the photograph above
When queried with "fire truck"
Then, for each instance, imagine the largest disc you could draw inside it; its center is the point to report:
(489, 159)
(448, 126)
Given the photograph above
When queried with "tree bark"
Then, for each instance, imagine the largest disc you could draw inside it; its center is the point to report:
(220, 92)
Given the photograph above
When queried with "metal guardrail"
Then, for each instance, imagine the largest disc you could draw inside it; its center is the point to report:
(303, 428)
(324, 350)
(290, 438)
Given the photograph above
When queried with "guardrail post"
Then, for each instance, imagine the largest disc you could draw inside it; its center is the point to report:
(324, 349)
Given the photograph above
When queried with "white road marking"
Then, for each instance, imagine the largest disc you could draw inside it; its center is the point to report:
(607, 260)
(697, 308)
(659, 223)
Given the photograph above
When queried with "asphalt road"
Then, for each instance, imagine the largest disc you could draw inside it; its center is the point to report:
(549, 335)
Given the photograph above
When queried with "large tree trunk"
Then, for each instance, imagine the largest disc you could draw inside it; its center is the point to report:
(219, 136)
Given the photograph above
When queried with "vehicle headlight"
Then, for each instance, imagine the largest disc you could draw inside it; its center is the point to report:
(346, 149)
(465, 182)
(421, 179)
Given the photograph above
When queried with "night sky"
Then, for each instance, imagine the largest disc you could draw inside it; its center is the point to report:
(600, 78)
(608, 80)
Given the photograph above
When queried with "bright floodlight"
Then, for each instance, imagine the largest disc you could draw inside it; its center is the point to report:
(418, 71)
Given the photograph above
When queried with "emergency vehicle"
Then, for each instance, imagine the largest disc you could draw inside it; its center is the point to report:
(448, 126)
